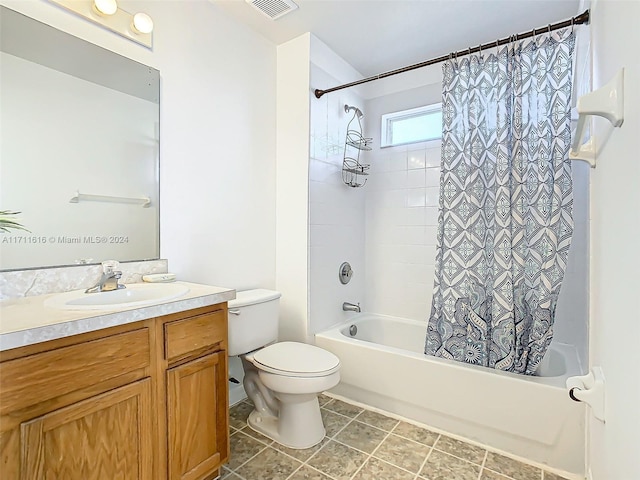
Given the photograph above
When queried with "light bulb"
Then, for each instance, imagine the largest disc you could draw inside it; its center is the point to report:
(142, 23)
(105, 7)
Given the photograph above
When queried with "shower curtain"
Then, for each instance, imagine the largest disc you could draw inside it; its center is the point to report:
(505, 224)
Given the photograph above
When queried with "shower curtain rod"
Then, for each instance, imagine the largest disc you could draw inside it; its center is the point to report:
(577, 20)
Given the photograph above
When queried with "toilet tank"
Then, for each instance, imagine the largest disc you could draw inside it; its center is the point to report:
(253, 320)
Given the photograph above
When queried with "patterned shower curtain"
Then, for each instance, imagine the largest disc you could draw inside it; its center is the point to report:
(505, 224)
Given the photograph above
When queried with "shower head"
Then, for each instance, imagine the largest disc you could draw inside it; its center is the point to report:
(348, 108)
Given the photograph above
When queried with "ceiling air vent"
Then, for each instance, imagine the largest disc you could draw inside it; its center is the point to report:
(273, 9)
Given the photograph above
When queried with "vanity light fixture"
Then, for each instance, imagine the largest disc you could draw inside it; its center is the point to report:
(105, 7)
(142, 23)
(106, 13)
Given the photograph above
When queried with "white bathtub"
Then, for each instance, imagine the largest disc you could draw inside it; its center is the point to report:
(533, 417)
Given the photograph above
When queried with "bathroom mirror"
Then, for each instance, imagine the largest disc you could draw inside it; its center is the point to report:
(79, 150)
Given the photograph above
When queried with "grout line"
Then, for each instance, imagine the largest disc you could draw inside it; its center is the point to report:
(424, 462)
(374, 426)
(484, 461)
(338, 413)
(320, 471)
(251, 458)
(507, 477)
(341, 429)
(353, 448)
(463, 459)
(398, 466)
(304, 462)
(416, 441)
(236, 473)
(370, 454)
(295, 471)
(265, 440)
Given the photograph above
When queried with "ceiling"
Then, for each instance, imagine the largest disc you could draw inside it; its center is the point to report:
(376, 36)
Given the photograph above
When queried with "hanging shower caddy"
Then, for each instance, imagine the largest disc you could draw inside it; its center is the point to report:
(353, 171)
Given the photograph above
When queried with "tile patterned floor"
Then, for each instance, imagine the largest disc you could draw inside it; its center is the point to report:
(365, 445)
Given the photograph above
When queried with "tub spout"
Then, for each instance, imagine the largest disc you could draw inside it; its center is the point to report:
(351, 307)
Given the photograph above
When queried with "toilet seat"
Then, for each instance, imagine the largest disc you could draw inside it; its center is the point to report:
(295, 359)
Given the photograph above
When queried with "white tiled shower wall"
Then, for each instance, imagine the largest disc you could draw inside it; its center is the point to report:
(336, 211)
(401, 213)
(401, 219)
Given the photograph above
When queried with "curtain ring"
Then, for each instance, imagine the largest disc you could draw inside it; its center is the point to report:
(572, 23)
(480, 52)
(549, 28)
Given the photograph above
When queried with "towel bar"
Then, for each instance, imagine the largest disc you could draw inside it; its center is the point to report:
(606, 102)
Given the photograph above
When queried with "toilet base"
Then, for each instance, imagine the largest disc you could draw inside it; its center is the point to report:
(298, 425)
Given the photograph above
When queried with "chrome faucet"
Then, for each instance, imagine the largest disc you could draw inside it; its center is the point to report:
(351, 307)
(109, 279)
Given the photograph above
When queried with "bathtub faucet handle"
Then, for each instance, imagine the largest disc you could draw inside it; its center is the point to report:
(351, 307)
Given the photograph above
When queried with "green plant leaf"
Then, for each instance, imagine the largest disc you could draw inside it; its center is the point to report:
(6, 224)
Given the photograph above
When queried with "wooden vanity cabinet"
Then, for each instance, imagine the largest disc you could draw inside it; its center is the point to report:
(197, 395)
(147, 401)
(197, 442)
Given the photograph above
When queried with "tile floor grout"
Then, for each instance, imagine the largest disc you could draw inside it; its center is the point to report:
(359, 418)
(484, 461)
(424, 462)
(370, 454)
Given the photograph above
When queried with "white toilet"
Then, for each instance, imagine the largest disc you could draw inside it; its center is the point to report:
(282, 379)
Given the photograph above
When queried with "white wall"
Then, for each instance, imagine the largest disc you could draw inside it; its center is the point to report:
(217, 136)
(218, 124)
(293, 188)
(615, 258)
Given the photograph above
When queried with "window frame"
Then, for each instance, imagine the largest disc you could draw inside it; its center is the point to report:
(387, 119)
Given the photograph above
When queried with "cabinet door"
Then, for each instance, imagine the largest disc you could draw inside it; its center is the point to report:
(197, 412)
(108, 437)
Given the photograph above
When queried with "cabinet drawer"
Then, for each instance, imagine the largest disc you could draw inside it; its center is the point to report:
(194, 334)
(37, 378)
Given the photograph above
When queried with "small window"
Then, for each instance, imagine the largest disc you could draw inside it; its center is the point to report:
(410, 126)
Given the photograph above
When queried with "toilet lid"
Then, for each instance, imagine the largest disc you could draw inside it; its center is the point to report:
(296, 359)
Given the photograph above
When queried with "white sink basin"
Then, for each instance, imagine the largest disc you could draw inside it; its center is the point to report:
(134, 296)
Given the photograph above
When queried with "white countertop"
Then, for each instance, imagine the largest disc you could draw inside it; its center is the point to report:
(26, 320)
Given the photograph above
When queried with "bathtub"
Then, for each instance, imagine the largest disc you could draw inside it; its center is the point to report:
(384, 366)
